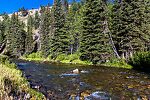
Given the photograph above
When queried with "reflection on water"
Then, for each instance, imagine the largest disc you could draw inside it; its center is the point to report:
(91, 83)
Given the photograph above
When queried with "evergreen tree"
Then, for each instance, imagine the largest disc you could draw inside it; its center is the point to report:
(36, 20)
(45, 32)
(147, 11)
(15, 37)
(73, 26)
(65, 5)
(3, 27)
(128, 26)
(29, 36)
(94, 42)
(60, 42)
(2, 33)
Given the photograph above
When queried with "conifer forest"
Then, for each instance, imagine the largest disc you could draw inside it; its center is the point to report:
(97, 29)
(98, 34)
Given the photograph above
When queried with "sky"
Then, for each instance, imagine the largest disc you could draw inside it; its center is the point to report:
(10, 6)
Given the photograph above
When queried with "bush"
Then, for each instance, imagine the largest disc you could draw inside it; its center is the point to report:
(73, 57)
(140, 60)
(61, 57)
(69, 58)
(35, 55)
(120, 63)
(3, 59)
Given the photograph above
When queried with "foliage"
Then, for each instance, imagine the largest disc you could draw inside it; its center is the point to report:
(140, 60)
(15, 37)
(2, 33)
(11, 81)
(120, 63)
(63, 58)
(73, 27)
(3, 27)
(94, 42)
(93, 28)
(34, 55)
(45, 32)
(71, 57)
(60, 40)
(36, 20)
(29, 36)
(3, 58)
(128, 26)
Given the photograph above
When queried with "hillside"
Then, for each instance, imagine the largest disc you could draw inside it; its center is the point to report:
(30, 12)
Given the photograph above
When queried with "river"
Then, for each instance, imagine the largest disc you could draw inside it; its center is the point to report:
(57, 82)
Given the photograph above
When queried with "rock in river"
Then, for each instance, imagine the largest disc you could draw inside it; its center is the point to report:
(98, 95)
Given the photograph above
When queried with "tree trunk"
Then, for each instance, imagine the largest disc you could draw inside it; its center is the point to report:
(110, 38)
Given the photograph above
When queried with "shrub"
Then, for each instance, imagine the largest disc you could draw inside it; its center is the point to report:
(35, 55)
(73, 57)
(69, 58)
(61, 57)
(120, 63)
(3, 59)
(140, 60)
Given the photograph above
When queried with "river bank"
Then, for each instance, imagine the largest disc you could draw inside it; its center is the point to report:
(13, 85)
(75, 60)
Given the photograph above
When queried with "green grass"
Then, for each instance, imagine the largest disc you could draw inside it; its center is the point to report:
(63, 58)
(75, 59)
(11, 81)
(119, 63)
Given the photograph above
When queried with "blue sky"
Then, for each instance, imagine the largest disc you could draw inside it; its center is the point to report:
(10, 6)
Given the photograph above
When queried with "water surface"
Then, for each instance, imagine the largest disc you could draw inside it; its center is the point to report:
(58, 82)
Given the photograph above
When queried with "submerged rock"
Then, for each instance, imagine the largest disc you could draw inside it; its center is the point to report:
(98, 95)
(22, 64)
(84, 71)
(76, 71)
(71, 74)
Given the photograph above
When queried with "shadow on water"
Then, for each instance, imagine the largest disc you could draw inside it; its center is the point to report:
(59, 82)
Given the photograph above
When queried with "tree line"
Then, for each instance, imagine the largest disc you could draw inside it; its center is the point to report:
(97, 29)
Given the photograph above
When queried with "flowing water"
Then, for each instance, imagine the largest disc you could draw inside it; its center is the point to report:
(58, 82)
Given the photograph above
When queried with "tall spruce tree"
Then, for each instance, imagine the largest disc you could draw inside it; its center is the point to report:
(65, 5)
(45, 32)
(73, 26)
(15, 37)
(94, 42)
(36, 20)
(60, 42)
(3, 28)
(2, 33)
(128, 26)
(29, 35)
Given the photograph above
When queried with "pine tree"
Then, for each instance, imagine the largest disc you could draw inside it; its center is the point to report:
(45, 32)
(147, 11)
(73, 26)
(3, 28)
(15, 37)
(128, 26)
(29, 36)
(36, 20)
(65, 5)
(2, 33)
(60, 42)
(94, 42)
